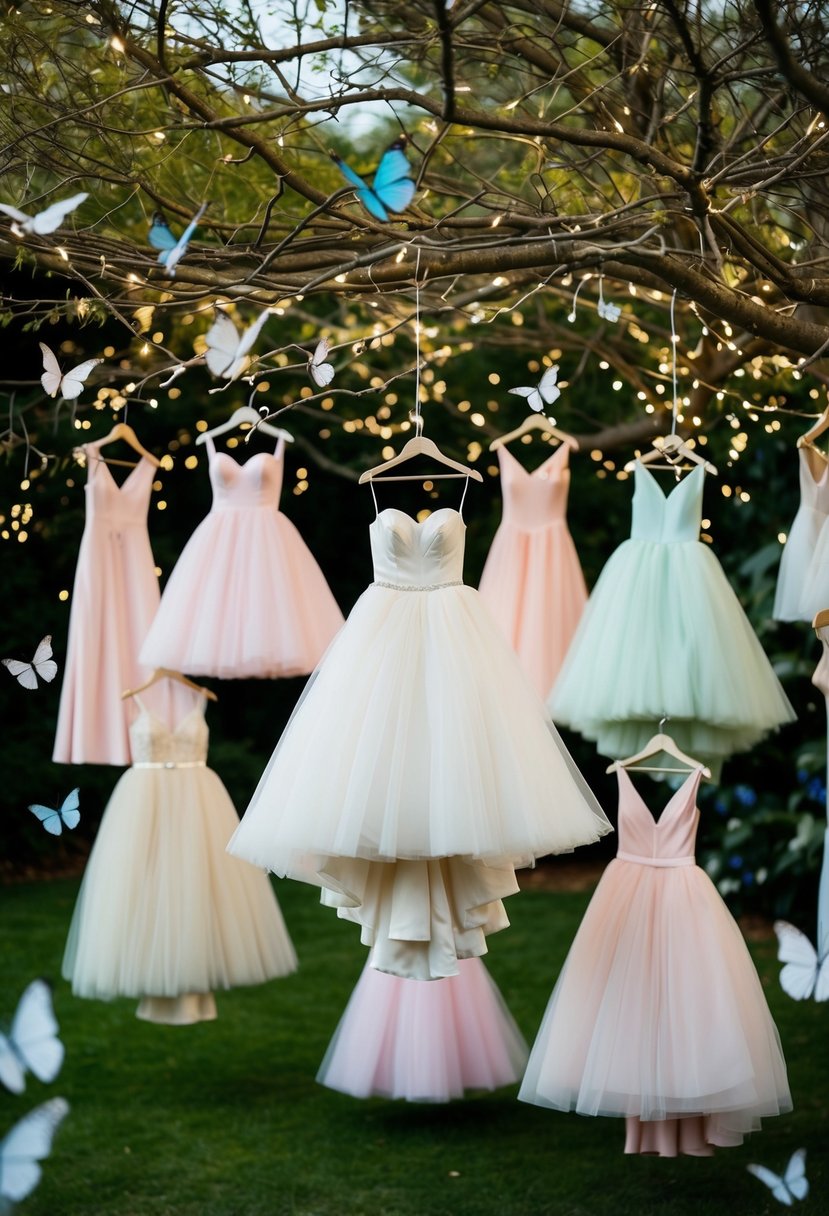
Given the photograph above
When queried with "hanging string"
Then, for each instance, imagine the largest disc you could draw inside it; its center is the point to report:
(418, 418)
(674, 340)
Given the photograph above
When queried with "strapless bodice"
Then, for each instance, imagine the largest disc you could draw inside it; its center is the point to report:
(256, 483)
(153, 742)
(413, 555)
(667, 518)
(534, 498)
(668, 841)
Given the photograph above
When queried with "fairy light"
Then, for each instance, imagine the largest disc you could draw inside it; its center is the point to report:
(116, 44)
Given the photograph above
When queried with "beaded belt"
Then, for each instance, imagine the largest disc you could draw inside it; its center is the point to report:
(406, 587)
(657, 861)
(170, 764)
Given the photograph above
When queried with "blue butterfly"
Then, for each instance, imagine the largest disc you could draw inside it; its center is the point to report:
(161, 237)
(66, 815)
(392, 189)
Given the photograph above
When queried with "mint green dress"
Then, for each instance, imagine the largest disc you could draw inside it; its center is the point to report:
(663, 636)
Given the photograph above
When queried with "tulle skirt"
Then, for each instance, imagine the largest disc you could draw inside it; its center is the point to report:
(663, 635)
(424, 1042)
(533, 585)
(799, 581)
(658, 1012)
(163, 911)
(246, 599)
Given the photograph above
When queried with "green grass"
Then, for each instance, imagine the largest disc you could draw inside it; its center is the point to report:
(225, 1119)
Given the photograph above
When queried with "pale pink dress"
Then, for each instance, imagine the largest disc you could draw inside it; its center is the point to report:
(114, 599)
(658, 1014)
(532, 581)
(424, 1040)
(246, 598)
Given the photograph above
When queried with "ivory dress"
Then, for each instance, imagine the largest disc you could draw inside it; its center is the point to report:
(163, 913)
(424, 1042)
(663, 635)
(114, 599)
(797, 571)
(532, 582)
(658, 1014)
(419, 768)
(246, 598)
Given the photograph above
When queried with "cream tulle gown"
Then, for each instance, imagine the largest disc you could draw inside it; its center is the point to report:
(114, 599)
(532, 581)
(246, 598)
(658, 1014)
(424, 1042)
(799, 552)
(419, 768)
(163, 913)
(663, 635)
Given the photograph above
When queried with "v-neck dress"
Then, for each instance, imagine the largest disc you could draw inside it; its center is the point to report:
(532, 581)
(658, 1014)
(664, 636)
(114, 599)
(246, 598)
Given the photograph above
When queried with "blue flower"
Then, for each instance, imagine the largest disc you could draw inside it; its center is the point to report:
(748, 878)
(720, 805)
(735, 861)
(802, 776)
(816, 789)
(745, 795)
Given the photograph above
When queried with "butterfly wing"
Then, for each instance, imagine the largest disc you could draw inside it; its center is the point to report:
(392, 184)
(364, 193)
(160, 235)
(11, 1070)
(773, 1181)
(53, 217)
(822, 982)
(349, 174)
(43, 663)
(69, 811)
(795, 1174)
(14, 214)
(50, 818)
(24, 673)
(34, 1032)
(73, 382)
(252, 333)
(798, 977)
(322, 373)
(222, 345)
(547, 385)
(29, 1142)
(51, 378)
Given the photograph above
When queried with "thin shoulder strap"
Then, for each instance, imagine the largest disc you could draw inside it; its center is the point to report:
(463, 496)
(374, 496)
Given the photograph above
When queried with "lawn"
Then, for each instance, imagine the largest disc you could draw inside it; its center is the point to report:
(225, 1119)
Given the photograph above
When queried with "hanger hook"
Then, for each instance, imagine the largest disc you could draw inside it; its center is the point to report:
(662, 721)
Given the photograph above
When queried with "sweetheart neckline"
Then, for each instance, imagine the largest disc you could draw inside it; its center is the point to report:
(418, 523)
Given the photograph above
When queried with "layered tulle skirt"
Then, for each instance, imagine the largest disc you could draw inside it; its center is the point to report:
(246, 599)
(663, 635)
(658, 1015)
(803, 579)
(418, 770)
(163, 911)
(533, 585)
(424, 1042)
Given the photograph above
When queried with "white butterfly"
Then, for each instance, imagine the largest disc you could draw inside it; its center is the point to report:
(29, 1142)
(322, 373)
(66, 815)
(44, 221)
(42, 665)
(545, 393)
(70, 384)
(806, 973)
(794, 1183)
(610, 312)
(32, 1044)
(227, 349)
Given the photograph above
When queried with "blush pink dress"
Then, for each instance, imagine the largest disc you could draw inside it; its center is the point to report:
(658, 1014)
(532, 582)
(424, 1041)
(114, 599)
(246, 598)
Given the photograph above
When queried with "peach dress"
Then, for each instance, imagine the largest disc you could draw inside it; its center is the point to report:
(532, 581)
(658, 1014)
(114, 600)
(246, 598)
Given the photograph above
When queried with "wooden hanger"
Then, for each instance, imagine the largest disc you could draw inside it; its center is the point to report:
(245, 413)
(674, 450)
(419, 446)
(166, 673)
(122, 430)
(536, 422)
(659, 744)
(821, 620)
(806, 440)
